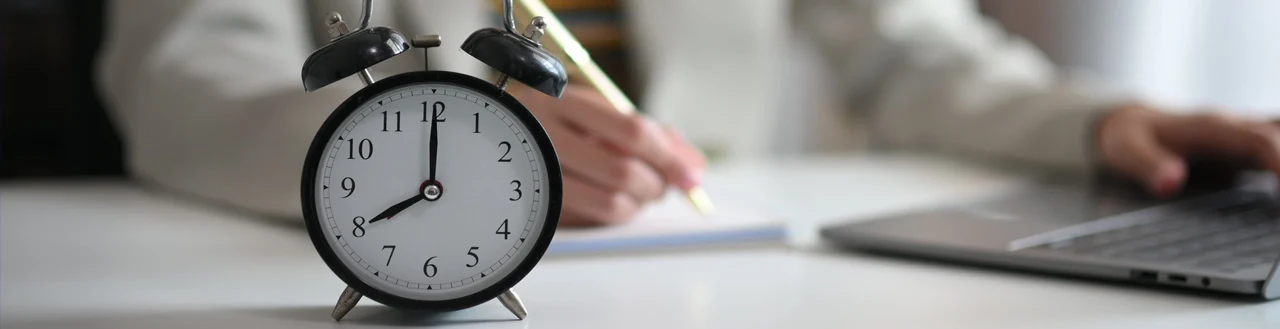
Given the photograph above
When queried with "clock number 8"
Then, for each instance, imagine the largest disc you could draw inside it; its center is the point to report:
(358, 231)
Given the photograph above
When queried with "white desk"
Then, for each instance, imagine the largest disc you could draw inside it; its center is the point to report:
(112, 255)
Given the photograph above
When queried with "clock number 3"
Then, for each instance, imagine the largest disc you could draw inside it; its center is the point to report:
(519, 194)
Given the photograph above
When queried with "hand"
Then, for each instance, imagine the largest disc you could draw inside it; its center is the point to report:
(1153, 147)
(613, 163)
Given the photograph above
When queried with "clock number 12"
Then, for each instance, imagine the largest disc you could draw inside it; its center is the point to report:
(437, 109)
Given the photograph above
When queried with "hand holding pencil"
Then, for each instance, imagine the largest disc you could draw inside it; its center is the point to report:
(614, 160)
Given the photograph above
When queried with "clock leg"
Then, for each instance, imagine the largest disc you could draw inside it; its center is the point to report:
(510, 300)
(346, 302)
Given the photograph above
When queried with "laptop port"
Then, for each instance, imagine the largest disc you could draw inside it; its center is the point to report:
(1178, 278)
(1204, 281)
(1145, 276)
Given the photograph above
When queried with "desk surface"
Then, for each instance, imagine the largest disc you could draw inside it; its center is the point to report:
(109, 254)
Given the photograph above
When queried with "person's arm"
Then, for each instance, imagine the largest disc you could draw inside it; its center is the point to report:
(935, 75)
(208, 96)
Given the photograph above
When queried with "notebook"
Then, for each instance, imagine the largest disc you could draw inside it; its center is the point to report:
(673, 223)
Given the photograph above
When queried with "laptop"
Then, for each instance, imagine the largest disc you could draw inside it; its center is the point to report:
(1223, 236)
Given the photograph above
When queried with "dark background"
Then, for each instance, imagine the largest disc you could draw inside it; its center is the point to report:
(51, 120)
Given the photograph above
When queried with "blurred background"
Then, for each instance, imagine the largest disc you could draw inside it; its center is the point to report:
(1179, 52)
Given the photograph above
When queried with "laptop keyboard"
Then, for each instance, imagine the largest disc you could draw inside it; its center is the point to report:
(1232, 238)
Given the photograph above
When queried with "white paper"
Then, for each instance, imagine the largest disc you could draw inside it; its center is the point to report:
(674, 222)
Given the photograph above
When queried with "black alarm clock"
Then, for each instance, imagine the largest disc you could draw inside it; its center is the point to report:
(432, 190)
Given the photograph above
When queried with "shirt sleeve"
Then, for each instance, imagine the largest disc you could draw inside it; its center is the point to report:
(934, 75)
(208, 96)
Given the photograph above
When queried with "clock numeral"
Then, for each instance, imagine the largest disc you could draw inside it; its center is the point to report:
(393, 252)
(365, 149)
(477, 129)
(504, 157)
(349, 185)
(437, 109)
(519, 194)
(470, 252)
(502, 229)
(429, 269)
(358, 231)
(384, 121)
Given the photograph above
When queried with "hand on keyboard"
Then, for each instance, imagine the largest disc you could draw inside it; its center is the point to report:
(1151, 146)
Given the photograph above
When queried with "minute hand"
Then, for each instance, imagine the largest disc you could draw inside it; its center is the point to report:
(434, 144)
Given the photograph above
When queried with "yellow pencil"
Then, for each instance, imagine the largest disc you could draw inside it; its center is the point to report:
(560, 37)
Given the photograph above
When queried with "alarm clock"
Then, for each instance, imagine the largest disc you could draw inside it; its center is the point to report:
(432, 190)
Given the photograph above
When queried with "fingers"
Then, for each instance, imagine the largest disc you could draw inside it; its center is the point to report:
(1226, 137)
(613, 163)
(588, 205)
(602, 168)
(633, 135)
(1141, 156)
(684, 149)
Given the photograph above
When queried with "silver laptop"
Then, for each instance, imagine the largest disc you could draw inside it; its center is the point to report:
(1222, 238)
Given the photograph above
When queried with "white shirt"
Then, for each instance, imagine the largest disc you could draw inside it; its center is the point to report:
(209, 98)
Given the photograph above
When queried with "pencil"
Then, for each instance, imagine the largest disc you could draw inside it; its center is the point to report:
(560, 36)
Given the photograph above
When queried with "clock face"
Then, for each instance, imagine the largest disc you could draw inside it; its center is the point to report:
(432, 187)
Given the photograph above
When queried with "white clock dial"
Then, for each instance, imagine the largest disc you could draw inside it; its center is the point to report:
(487, 218)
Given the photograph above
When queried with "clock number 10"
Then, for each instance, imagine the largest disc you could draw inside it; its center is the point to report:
(364, 149)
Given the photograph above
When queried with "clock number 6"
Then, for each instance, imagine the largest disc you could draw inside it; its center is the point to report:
(470, 252)
(429, 269)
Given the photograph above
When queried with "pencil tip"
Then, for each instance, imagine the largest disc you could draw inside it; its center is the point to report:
(701, 201)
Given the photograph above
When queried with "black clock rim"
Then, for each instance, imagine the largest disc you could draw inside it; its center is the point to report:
(331, 125)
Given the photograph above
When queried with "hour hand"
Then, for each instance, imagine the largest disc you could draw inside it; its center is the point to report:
(396, 209)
